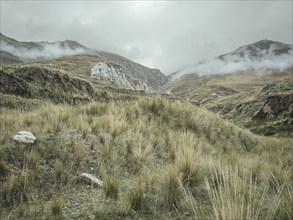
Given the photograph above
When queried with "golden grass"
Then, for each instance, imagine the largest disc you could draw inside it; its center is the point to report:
(159, 159)
(234, 195)
(237, 97)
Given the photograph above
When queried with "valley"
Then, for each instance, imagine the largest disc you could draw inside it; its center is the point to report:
(198, 146)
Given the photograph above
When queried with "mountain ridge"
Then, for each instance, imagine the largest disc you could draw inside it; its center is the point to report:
(38, 44)
(263, 54)
(13, 51)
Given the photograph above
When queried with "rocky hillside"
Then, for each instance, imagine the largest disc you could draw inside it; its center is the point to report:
(13, 51)
(251, 85)
(152, 77)
(258, 102)
(35, 82)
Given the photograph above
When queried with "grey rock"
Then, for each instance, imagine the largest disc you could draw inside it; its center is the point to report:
(24, 137)
(93, 179)
(105, 71)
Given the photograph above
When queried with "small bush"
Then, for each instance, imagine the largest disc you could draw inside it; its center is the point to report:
(236, 196)
(61, 174)
(3, 169)
(56, 207)
(21, 210)
(136, 196)
(172, 188)
(111, 187)
(80, 153)
(33, 159)
(285, 209)
(18, 188)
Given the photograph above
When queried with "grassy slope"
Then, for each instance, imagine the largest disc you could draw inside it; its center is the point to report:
(64, 80)
(237, 97)
(159, 159)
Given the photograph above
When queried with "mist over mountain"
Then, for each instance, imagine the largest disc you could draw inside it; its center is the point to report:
(13, 51)
(43, 49)
(262, 56)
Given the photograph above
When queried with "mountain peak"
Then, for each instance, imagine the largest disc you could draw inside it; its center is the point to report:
(266, 45)
(261, 55)
(72, 45)
(264, 42)
(10, 42)
(262, 48)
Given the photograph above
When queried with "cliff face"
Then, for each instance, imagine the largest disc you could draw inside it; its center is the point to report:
(104, 71)
(154, 78)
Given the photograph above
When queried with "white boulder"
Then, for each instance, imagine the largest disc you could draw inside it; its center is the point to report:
(24, 137)
(93, 179)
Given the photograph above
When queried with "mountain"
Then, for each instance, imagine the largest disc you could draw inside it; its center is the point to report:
(10, 42)
(44, 49)
(262, 56)
(13, 51)
(259, 50)
(155, 156)
(252, 85)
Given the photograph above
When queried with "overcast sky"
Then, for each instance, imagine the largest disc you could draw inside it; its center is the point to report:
(167, 35)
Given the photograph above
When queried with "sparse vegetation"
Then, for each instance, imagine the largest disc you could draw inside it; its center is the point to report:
(111, 186)
(158, 159)
(261, 103)
(56, 207)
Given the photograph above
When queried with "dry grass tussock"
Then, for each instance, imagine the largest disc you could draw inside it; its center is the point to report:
(159, 159)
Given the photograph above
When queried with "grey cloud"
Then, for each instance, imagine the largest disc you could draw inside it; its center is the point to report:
(46, 50)
(168, 35)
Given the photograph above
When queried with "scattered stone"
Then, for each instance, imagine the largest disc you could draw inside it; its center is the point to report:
(24, 137)
(93, 179)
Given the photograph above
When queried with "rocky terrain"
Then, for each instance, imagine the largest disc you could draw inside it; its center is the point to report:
(34, 82)
(152, 77)
(103, 71)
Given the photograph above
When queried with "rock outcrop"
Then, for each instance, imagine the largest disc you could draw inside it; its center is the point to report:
(276, 106)
(154, 78)
(105, 71)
